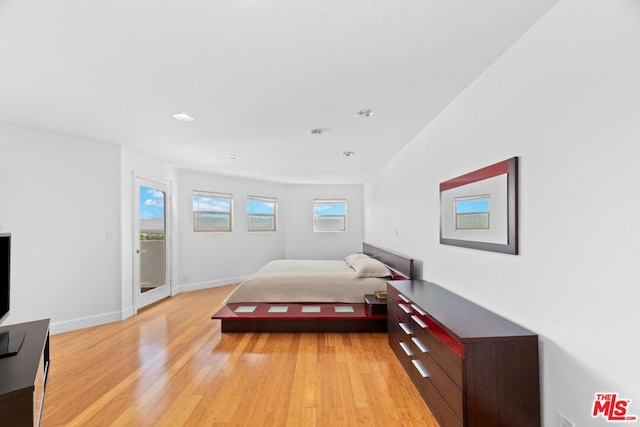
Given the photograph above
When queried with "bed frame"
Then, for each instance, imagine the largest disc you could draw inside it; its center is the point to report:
(311, 317)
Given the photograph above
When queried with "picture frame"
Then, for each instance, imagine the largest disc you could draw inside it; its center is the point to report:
(479, 210)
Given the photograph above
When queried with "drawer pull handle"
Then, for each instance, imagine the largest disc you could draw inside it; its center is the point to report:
(419, 322)
(418, 344)
(419, 310)
(405, 299)
(406, 349)
(420, 369)
(405, 308)
(405, 328)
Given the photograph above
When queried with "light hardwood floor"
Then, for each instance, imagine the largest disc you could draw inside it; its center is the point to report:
(170, 365)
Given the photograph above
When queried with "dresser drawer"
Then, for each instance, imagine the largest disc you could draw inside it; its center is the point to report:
(437, 404)
(398, 329)
(449, 391)
(399, 307)
(401, 329)
(440, 352)
(400, 310)
(399, 342)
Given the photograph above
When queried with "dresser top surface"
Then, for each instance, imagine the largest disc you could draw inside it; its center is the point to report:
(463, 318)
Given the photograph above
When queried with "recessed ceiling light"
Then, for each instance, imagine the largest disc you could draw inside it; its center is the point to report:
(348, 153)
(234, 157)
(183, 117)
(316, 132)
(364, 113)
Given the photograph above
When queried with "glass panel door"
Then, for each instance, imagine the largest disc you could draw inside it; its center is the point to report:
(151, 252)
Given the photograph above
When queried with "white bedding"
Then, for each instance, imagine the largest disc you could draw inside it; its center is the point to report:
(306, 281)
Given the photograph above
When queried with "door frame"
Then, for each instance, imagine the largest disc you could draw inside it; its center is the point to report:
(140, 299)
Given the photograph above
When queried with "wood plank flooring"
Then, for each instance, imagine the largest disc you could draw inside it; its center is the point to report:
(171, 366)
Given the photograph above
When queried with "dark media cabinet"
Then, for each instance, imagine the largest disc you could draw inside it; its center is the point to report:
(23, 377)
(471, 366)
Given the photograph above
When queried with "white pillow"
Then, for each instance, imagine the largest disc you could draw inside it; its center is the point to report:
(351, 258)
(369, 267)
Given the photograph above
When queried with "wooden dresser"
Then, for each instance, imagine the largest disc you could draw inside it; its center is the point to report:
(471, 366)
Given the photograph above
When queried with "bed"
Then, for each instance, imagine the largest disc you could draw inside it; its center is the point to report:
(314, 295)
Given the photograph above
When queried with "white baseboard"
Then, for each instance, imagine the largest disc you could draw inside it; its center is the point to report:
(128, 312)
(84, 322)
(116, 316)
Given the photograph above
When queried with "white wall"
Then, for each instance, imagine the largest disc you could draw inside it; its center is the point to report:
(210, 258)
(59, 195)
(564, 99)
(303, 242)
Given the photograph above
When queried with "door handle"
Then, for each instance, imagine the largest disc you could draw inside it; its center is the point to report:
(140, 251)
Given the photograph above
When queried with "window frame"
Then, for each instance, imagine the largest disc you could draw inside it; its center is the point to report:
(211, 195)
(317, 202)
(274, 215)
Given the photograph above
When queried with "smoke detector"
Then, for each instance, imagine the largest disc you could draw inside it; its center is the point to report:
(364, 113)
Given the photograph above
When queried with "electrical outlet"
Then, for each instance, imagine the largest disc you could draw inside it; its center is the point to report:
(563, 422)
(111, 235)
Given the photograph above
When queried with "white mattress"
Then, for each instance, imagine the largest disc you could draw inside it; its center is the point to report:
(306, 281)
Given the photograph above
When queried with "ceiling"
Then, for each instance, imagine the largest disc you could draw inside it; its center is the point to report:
(256, 75)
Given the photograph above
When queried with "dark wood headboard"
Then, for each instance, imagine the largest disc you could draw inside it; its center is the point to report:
(402, 264)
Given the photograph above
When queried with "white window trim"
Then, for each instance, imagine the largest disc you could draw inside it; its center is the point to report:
(330, 201)
(212, 195)
(275, 213)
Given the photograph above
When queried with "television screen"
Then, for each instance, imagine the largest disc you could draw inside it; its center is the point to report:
(10, 341)
(5, 274)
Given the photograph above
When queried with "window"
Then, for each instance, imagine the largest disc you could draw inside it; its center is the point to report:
(329, 215)
(152, 213)
(472, 212)
(261, 213)
(212, 211)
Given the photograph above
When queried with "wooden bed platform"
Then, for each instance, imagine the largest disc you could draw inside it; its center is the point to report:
(325, 317)
(313, 317)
